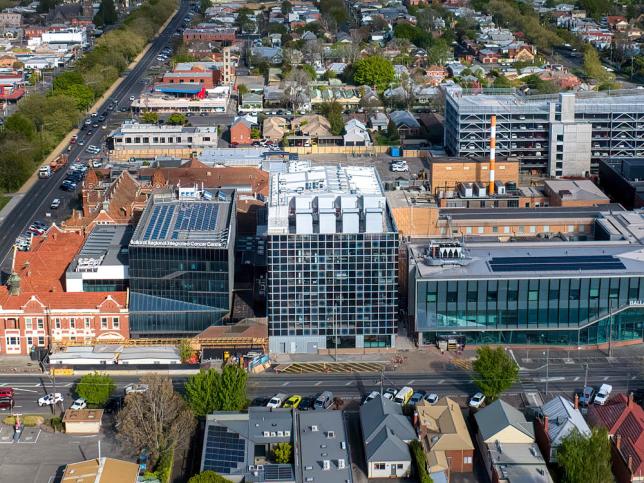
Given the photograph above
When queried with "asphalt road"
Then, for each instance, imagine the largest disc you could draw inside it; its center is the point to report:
(35, 204)
(623, 374)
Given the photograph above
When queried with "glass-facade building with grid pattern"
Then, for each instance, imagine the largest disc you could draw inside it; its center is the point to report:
(332, 261)
(545, 301)
(181, 263)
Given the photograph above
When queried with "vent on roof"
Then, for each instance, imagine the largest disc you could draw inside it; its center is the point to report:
(330, 434)
(326, 465)
(343, 445)
(314, 428)
(266, 434)
(341, 463)
(287, 433)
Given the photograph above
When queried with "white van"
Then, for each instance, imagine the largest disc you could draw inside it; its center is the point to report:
(404, 395)
(277, 401)
(603, 393)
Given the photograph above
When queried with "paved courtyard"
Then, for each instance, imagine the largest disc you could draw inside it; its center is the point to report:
(40, 456)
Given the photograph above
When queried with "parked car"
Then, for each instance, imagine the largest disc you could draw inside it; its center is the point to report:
(603, 393)
(431, 398)
(416, 398)
(55, 203)
(293, 402)
(6, 392)
(390, 393)
(370, 396)
(6, 403)
(586, 396)
(306, 404)
(324, 400)
(259, 402)
(50, 399)
(68, 185)
(80, 403)
(135, 388)
(477, 400)
(403, 396)
(398, 167)
(276, 401)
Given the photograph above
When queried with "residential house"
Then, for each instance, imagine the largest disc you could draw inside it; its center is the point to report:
(436, 74)
(617, 22)
(240, 131)
(445, 438)
(356, 134)
(507, 446)
(557, 419)
(274, 128)
(406, 123)
(272, 55)
(379, 121)
(312, 125)
(251, 102)
(253, 83)
(273, 97)
(624, 420)
(386, 433)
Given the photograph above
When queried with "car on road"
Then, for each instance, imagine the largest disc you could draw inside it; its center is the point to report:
(55, 204)
(324, 400)
(477, 400)
(416, 398)
(276, 401)
(399, 167)
(6, 403)
(80, 403)
(586, 396)
(293, 401)
(431, 398)
(81, 143)
(96, 163)
(259, 402)
(6, 392)
(603, 393)
(50, 399)
(135, 388)
(390, 393)
(132, 98)
(73, 140)
(370, 396)
(403, 396)
(68, 185)
(306, 404)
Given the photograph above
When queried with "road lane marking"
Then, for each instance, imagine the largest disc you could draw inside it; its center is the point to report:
(441, 381)
(605, 378)
(349, 383)
(411, 382)
(317, 383)
(26, 390)
(577, 378)
(285, 384)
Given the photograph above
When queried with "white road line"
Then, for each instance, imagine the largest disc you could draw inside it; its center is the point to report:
(605, 378)
(26, 390)
(441, 381)
(349, 383)
(317, 383)
(285, 384)
(577, 378)
(411, 382)
(633, 378)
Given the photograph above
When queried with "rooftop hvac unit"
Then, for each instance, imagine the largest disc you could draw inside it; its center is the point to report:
(341, 463)
(326, 465)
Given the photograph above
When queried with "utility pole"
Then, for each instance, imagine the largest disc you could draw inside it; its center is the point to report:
(586, 376)
(547, 368)
(610, 327)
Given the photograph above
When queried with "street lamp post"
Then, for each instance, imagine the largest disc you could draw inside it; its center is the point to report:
(547, 354)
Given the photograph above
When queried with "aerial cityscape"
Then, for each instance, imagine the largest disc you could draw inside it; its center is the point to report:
(321, 241)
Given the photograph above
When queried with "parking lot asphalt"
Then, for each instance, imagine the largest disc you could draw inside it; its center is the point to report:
(41, 458)
(381, 162)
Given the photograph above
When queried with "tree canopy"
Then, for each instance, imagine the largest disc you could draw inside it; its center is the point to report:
(373, 71)
(586, 459)
(107, 14)
(95, 388)
(495, 371)
(208, 477)
(333, 112)
(593, 65)
(209, 391)
(150, 117)
(177, 119)
(282, 452)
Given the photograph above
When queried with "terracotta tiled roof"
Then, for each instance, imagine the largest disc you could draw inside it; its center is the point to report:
(61, 300)
(624, 419)
(213, 177)
(42, 268)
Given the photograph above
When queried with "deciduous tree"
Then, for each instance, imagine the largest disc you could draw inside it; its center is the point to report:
(150, 117)
(157, 419)
(333, 112)
(177, 119)
(586, 459)
(209, 391)
(495, 371)
(95, 388)
(373, 71)
(282, 452)
(208, 477)
(593, 65)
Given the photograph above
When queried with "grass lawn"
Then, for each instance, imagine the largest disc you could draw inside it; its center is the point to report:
(4, 199)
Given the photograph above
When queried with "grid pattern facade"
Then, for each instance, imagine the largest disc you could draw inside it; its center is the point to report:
(566, 311)
(524, 129)
(334, 286)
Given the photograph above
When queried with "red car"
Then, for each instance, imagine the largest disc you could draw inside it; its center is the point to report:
(6, 392)
(6, 403)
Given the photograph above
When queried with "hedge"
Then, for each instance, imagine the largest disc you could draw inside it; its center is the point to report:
(420, 462)
(27, 420)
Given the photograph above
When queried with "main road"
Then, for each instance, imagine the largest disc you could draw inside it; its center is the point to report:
(623, 375)
(34, 204)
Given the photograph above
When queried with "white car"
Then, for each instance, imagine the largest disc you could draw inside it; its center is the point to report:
(399, 167)
(277, 401)
(96, 164)
(135, 388)
(80, 403)
(390, 393)
(50, 399)
(477, 400)
(431, 398)
(132, 98)
(372, 395)
(55, 203)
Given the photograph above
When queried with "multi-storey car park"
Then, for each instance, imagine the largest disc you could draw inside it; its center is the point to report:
(332, 260)
(562, 134)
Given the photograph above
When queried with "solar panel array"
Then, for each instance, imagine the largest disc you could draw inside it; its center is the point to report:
(175, 221)
(160, 220)
(225, 451)
(195, 217)
(556, 264)
(278, 473)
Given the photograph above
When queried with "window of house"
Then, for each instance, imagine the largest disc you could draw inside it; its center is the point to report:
(28, 323)
(30, 342)
(533, 229)
(506, 229)
(468, 230)
(115, 322)
(72, 323)
(88, 322)
(380, 466)
(13, 340)
(57, 323)
(481, 230)
(467, 460)
(571, 228)
(495, 229)
(41, 341)
(103, 322)
(546, 228)
(41, 323)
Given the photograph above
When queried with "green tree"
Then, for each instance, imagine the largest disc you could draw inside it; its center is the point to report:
(287, 7)
(67, 79)
(177, 119)
(204, 5)
(586, 459)
(333, 112)
(593, 65)
(106, 14)
(502, 81)
(150, 117)
(282, 453)
(20, 124)
(420, 462)
(495, 371)
(255, 133)
(596, 8)
(209, 391)
(95, 388)
(373, 71)
(208, 477)
(242, 89)
(82, 94)
(439, 52)
(185, 348)
(392, 131)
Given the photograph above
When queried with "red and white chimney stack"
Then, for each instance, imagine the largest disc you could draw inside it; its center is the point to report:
(492, 153)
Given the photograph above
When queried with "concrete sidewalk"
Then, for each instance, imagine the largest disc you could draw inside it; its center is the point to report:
(19, 365)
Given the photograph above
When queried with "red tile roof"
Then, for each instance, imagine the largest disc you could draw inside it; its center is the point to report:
(626, 419)
(42, 268)
(61, 300)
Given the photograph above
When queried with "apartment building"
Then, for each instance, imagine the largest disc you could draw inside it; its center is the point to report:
(564, 134)
(332, 260)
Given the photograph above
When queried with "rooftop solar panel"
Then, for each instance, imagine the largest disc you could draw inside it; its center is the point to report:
(557, 264)
(225, 450)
